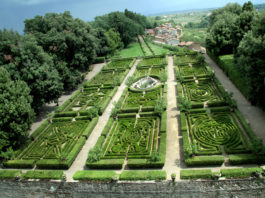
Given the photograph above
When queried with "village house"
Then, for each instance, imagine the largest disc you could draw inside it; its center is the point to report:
(166, 34)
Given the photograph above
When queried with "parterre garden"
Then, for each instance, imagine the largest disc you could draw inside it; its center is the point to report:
(137, 133)
(212, 128)
(56, 143)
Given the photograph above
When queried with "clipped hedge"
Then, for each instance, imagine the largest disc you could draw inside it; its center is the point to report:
(205, 160)
(94, 175)
(104, 105)
(163, 127)
(100, 142)
(38, 131)
(65, 114)
(130, 110)
(245, 159)
(146, 109)
(107, 127)
(143, 175)
(196, 174)
(43, 174)
(144, 163)
(126, 115)
(106, 164)
(62, 119)
(246, 126)
(9, 174)
(67, 102)
(51, 164)
(19, 164)
(240, 172)
(90, 127)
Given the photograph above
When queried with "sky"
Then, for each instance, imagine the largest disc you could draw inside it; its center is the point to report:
(14, 12)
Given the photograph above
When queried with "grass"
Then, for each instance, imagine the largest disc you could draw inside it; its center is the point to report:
(195, 35)
(158, 50)
(133, 50)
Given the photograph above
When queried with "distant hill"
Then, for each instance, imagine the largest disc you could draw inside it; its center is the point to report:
(260, 7)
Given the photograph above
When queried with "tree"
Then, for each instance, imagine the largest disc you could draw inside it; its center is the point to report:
(71, 43)
(28, 62)
(219, 38)
(16, 113)
(250, 60)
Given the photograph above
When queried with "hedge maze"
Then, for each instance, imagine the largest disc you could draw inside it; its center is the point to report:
(137, 133)
(57, 142)
(202, 91)
(210, 129)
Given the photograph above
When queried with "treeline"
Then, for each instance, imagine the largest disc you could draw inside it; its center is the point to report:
(239, 30)
(51, 57)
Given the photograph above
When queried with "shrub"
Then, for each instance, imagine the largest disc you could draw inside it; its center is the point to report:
(51, 164)
(106, 164)
(159, 106)
(94, 154)
(240, 172)
(116, 108)
(9, 154)
(94, 175)
(99, 60)
(155, 157)
(9, 174)
(130, 80)
(19, 164)
(183, 104)
(43, 174)
(205, 160)
(196, 174)
(143, 175)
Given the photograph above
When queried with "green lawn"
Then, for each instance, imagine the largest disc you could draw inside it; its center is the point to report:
(158, 50)
(195, 35)
(133, 50)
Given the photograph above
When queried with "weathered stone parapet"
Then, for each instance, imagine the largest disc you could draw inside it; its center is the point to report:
(227, 188)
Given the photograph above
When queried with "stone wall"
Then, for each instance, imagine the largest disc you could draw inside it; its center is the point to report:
(186, 189)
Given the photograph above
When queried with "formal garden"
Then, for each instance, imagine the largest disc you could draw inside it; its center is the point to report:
(135, 135)
(213, 130)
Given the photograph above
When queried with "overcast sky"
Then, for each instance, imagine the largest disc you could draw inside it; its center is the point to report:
(14, 12)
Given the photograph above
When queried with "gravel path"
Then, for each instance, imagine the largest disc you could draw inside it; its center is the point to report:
(80, 161)
(172, 164)
(252, 114)
(49, 108)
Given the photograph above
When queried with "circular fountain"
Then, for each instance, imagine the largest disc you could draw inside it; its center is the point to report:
(145, 83)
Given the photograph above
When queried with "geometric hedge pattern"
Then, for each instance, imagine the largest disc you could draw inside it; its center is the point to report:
(210, 132)
(59, 138)
(136, 139)
(203, 91)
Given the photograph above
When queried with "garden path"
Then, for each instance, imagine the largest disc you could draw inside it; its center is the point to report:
(49, 108)
(80, 161)
(254, 115)
(172, 164)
